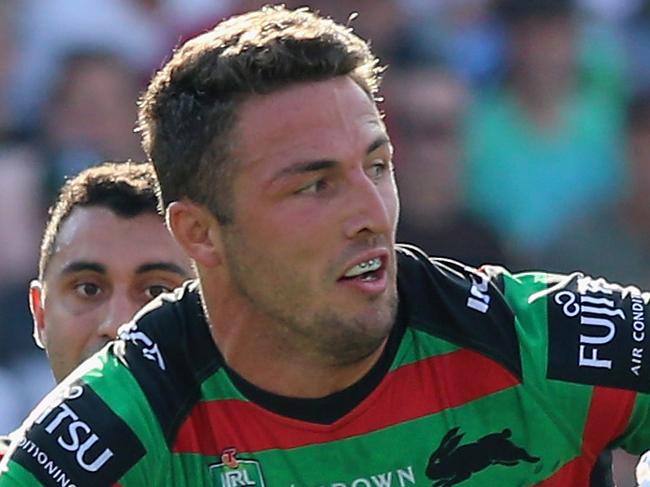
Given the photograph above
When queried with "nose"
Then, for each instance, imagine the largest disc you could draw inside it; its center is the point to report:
(120, 309)
(370, 207)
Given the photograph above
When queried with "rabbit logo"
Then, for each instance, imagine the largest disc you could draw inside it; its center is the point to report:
(451, 464)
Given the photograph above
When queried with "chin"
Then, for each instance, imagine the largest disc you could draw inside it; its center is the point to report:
(378, 321)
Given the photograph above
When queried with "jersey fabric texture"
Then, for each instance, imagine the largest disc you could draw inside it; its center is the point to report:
(488, 379)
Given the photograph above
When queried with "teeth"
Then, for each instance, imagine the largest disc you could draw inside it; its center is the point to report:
(363, 267)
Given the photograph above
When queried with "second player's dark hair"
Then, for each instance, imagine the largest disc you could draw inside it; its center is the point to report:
(128, 189)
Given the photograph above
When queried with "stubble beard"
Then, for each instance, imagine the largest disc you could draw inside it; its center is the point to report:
(322, 335)
(328, 337)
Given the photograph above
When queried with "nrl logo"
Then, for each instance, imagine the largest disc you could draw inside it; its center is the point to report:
(233, 472)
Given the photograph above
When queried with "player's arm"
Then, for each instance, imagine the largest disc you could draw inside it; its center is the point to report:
(86, 432)
(597, 358)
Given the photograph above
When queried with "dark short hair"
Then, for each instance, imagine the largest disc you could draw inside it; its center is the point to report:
(190, 107)
(128, 189)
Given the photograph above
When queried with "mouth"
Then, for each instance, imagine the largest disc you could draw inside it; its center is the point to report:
(366, 270)
(367, 274)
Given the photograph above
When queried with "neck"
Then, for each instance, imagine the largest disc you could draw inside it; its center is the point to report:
(270, 360)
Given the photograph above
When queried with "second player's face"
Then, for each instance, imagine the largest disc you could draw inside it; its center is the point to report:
(103, 270)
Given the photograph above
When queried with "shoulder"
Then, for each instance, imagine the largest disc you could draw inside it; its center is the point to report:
(459, 303)
(576, 328)
(169, 351)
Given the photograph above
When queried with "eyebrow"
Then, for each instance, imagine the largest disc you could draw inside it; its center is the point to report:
(162, 266)
(85, 266)
(319, 165)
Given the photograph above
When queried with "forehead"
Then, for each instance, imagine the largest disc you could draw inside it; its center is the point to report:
(307, 120)
(96, 234)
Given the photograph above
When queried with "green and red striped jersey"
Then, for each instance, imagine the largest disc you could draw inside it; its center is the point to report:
(488, 379)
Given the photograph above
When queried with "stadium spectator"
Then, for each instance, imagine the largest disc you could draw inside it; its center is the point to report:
(619, 231)
(465, 36)
(544, 148)
(425, 113)
(90, 115)
(139, 32)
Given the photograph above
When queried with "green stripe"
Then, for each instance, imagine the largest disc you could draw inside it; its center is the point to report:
(564, 404)
(530, 324)
(427, 346)
(219, 387)
(639, 436)
(115, 384)
(17, 476)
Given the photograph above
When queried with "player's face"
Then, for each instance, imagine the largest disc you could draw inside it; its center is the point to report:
(311, 248)
(103, 270)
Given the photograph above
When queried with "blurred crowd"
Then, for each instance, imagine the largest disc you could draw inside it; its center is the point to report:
(521, 129)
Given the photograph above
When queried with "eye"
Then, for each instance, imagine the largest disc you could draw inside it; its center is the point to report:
(155, 290)
(315, 187)
(87, 289)
(377, 169)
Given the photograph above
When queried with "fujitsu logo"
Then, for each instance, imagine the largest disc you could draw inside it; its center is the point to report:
(479, 298)
(74, 434)
(598, 316)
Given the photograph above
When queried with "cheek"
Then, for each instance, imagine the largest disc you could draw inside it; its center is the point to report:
(391, 200)
(290, 254)
(66, 334)
(291, 230)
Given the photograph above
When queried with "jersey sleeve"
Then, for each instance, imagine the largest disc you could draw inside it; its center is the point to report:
(584, 348)
(93, 429)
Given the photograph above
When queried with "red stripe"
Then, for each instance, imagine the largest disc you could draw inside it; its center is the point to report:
(609, 414)
(576, 472)
(412, 391)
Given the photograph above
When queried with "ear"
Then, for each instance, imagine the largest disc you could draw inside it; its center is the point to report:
(197, 230)
(36, 296)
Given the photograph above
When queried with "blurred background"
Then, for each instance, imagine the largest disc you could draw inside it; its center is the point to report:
(521, 129)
